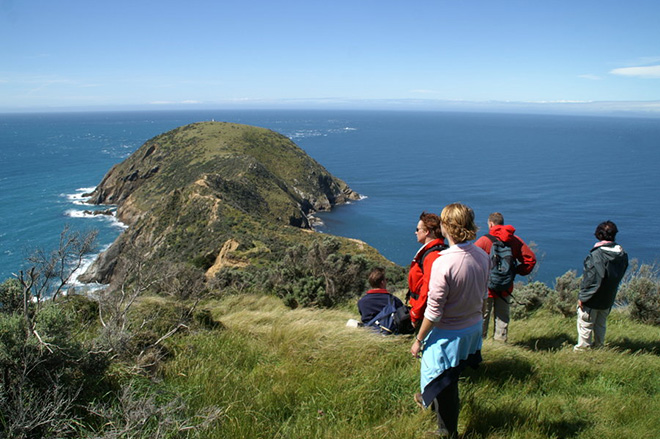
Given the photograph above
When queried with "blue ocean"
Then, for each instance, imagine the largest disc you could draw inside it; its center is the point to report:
(554, 178)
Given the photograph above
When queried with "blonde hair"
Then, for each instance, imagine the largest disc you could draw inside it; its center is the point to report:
(458, 222)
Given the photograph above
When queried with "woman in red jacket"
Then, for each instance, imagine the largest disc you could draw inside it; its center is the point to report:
(429, 235)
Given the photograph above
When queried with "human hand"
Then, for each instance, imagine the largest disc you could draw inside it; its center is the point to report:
(416, 349)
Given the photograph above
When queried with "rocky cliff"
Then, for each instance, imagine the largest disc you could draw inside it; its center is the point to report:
(213, 191)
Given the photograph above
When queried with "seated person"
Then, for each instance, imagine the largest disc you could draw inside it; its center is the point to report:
(375, 299)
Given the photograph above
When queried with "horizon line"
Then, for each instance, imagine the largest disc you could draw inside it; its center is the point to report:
(637, 108)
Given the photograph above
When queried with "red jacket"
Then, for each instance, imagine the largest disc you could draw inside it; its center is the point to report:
(523, 254)
(418, 279)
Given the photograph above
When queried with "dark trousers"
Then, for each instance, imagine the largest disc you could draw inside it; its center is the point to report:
(446, 407)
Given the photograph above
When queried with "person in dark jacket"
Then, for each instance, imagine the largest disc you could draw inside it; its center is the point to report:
(604, 268)
(499, 303)
(376, 298)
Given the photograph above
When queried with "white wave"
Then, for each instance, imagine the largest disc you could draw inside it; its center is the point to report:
(301, 134)
(112, 218)
(80, 196)
(86, 263)
(73, 213)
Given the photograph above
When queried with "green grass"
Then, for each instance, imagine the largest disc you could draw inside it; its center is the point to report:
(278, 373)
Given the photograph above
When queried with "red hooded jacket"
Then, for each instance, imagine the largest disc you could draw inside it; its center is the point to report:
(418, 279)
(523, 254)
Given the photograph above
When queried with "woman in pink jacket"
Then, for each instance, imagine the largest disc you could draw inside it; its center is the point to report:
(449, 337)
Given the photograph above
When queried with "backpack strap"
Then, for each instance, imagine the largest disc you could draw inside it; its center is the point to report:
(493, 238)
(382, 313)
(420, 263)
(437, 247)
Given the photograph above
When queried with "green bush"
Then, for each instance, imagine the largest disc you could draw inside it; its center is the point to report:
(85, 311)
(567, 287)
(46, 374)
(527, 298)
(11, 296)
(318, 275)
(640, 291)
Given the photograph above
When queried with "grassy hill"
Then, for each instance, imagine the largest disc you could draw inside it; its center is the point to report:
(217, 196)
(280, 373)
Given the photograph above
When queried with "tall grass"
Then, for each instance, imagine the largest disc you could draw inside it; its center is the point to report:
(280, 373)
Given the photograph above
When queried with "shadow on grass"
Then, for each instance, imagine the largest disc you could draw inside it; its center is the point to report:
(635, 346)
(553, 343)
(488, 419)
(501, 370)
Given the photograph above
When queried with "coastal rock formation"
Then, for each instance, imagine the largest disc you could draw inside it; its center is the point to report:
(186, 193)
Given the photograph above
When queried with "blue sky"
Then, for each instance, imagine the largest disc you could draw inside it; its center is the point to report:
(69, 54)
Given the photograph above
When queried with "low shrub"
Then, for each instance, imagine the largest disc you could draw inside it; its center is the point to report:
(84, 309)
(567, 287)
(640, 291)
(46, 374)
(527, 298)
(318, 275)
(11, 296)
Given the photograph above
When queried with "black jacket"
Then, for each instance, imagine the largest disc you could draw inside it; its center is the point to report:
(604, 268)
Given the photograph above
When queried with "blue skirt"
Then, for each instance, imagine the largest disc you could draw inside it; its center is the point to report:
(446, 353)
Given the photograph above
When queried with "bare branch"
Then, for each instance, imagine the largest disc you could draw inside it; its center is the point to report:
(43, 343)
(170, 333)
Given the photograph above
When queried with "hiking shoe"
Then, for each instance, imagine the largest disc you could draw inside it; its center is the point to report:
(419, 400)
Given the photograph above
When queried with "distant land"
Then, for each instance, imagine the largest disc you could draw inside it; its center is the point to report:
(594, 108)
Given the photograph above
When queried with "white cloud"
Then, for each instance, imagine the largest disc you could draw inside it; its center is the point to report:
(640, 72)
(590, 77)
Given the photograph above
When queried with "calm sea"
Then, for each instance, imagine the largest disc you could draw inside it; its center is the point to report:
(554, 178)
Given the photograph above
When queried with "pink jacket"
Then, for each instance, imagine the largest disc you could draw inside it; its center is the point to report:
(458, 286)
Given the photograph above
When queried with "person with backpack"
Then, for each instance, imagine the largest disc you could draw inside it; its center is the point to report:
(604, 268)
(428, 234)
(449, 337)
(510, 256)
(377, 300)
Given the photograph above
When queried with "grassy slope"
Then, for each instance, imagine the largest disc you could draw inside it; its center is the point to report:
(302, 374)
(262, 160)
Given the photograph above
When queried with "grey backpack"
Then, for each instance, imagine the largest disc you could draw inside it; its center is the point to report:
(503, 266)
